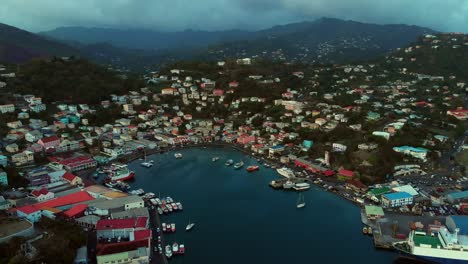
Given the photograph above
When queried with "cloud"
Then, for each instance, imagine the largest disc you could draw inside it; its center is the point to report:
(37, 15)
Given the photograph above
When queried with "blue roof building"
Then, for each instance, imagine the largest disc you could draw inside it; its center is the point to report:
(458, 221)
(456, 197)
(396, 199)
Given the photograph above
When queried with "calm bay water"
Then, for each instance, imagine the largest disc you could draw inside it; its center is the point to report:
(240, 219)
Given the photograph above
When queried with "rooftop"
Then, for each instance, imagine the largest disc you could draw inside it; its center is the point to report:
(433, 241)
(397, 195)
(374, 210)
(110, 224)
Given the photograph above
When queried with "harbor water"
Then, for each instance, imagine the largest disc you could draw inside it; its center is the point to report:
(240, 219)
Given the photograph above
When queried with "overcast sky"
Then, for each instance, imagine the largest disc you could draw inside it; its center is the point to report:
(168, 15)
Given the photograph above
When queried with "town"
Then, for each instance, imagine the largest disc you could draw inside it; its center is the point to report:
(383, 135)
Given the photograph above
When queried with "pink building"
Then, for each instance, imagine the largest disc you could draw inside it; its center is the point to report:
(245, 139)
(218, 92)
(49, 142)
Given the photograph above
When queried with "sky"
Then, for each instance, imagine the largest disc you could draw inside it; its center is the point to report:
(174, 15)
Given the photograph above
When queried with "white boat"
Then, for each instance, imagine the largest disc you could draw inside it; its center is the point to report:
(168, 251)
(189, 226)
(178, 155)
(288, 185)
(302, 186)
(286, 172)
(147, 164)
(179, 205)
(175, 248)
(300, 201)
(239, 165)
(215, 159)
(229, 162)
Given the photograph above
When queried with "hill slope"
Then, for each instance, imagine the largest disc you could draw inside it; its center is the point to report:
(18, 45)
(325, 40)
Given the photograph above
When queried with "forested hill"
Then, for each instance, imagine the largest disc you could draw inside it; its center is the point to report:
(74, 80)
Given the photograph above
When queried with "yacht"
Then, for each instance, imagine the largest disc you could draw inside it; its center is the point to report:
(147, 164)
(178, 155)
(229, 162)
(168, 251)
(286, 172)
(301, 186)
(214, 159)
(288, 185)
(300, 202)
(238, 165)
(175, 248)
(189, 226)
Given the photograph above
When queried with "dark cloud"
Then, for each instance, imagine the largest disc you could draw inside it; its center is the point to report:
(445, 15)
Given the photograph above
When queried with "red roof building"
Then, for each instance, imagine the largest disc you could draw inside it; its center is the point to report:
(49, 142)
(76, 211)
(345, 174)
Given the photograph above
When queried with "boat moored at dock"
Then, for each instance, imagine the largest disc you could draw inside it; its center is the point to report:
(238, 165)
(119, 172)
(302, 186)
(286, 172)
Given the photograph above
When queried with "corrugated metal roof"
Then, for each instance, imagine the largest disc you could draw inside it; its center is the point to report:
(397, 195)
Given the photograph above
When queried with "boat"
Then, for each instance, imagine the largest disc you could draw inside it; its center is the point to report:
(120, 172)
(439, 246)
(252, 168)
(364, 230)
(168, 251)
(174, 206)
(266, 165)
(178, 155)
(300, 202)
(175, 247)
(160, 211)
(189, 226)
(173, 229)
(229, 162)
(214, 159)
(238, 165)
(288, 185)
(164, 228)
(181, 249)
(302, 186)
(179, 205)
(169, 207)
(286, 172)
(147, 164)
(169, 199)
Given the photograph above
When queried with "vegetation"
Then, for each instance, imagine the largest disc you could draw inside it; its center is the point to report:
(73, 80)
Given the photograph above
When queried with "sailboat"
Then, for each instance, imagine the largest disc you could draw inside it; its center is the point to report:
(147, 164)
(189, 226)
(300, 201)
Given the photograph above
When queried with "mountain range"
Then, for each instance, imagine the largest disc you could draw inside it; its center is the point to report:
(324, 40)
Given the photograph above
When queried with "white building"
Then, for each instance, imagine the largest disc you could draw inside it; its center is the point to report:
(396, 199)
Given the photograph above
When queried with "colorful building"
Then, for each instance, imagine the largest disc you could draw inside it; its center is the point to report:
(396, 199)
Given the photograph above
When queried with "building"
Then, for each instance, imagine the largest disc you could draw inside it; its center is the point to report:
(112, 228)
(3, 177)
(42, 195)
(22, 158)
(7, 108)
(396, 199)
(275, 150)
(337, 147)
(345, 175)
(75, 162)
(68, 145)
(72, 179)
(30, 212)
(419, 153)
(81, 256)
(245, 139)
(49, 142)
(457, 197)
(460, 114)
(38, 176)
(374, 212)
(3, 160)
(119, 204)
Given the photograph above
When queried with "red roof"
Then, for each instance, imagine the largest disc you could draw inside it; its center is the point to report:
(346, 173)
(142, 234)
(37, 193)
(109, 224)
(28, 209)
(73, 198)
(328, 173)
(68, 176)
(76, 210)
(49, 139)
